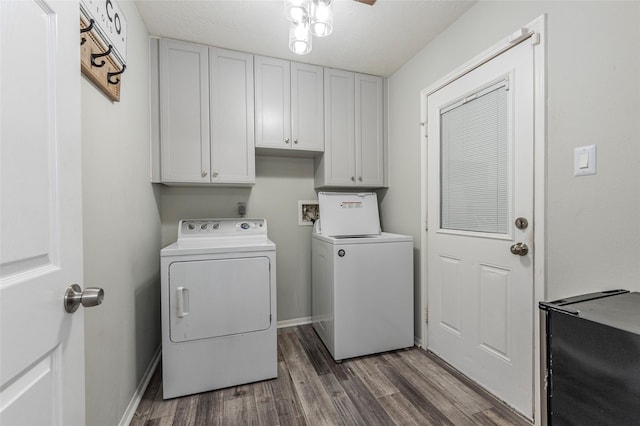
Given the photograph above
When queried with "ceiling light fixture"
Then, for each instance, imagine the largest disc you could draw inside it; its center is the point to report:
(307, 17)
(300, 37)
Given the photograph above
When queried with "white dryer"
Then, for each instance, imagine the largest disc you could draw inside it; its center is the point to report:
(218, 300)
(361, 278)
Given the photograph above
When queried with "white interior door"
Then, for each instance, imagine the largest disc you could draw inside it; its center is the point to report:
(42, 346)
(480, 181)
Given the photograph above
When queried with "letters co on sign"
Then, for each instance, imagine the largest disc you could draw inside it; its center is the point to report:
(103, 41)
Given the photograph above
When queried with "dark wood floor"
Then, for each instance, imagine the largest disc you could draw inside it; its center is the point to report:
(405, 387)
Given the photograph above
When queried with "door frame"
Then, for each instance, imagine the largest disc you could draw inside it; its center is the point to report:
(535, 31)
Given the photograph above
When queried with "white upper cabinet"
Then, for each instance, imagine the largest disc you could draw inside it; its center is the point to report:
(184, 112)
(232, 117)
(354, 139)
(339, 159)
(288, 106)
(206, 120)
(272, 102)
(212, 109)
(307, 107)
(370, 152)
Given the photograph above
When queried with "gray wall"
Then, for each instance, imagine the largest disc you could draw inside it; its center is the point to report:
(121, 235)
(593, 76)
(280, 183)
(593, 234)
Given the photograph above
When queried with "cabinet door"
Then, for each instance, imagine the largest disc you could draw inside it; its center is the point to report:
(339, 155)
(232, 117)
(273, 103)
(307, 104)
(369, 130)
(184, 112)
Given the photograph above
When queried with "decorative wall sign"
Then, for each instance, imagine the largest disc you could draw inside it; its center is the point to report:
(103, 41)
(110, 23)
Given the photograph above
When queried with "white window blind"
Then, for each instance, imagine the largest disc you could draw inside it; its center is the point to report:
(475, 163)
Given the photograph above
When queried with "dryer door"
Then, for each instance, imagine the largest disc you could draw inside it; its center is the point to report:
(220, 297)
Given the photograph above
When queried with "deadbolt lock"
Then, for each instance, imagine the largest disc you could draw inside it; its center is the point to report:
(521, 223)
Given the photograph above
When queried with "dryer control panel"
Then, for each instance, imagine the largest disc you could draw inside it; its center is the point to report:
(195, 228)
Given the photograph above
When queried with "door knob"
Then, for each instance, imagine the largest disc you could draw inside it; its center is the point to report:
(519, 249)
(74, 296)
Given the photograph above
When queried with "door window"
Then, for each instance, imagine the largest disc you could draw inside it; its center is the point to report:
(475, 162)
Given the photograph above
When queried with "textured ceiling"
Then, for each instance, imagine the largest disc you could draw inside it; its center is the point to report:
(369, 39)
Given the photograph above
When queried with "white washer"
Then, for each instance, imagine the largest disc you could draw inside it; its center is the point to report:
(218, 306)
(362, 286)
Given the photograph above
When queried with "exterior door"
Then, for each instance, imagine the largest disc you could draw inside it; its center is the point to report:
(42, 346)
(480, 276)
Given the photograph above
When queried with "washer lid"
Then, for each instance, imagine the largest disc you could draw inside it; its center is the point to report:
(348, 214)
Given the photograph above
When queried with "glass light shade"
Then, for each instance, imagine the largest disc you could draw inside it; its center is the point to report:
(321, 18)
(300, 37)
(296, 10)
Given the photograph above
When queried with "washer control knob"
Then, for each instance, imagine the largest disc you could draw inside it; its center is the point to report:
(191, 226)
(341, 253)
(244, 225)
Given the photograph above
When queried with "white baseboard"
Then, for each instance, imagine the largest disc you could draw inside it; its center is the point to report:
(142, 386)
(293, 322)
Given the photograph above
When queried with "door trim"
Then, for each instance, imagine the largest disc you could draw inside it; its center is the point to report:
(534, 32)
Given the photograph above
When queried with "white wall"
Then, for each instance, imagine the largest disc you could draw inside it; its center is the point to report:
(280, 183)
(121, 235)
(593, 76)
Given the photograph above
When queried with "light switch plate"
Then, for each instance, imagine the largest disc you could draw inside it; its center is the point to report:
(584, 161)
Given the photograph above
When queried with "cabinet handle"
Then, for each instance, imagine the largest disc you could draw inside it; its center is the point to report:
(360, 178)
(353, 178)
(286, 140)
(295, 141)
(215, 174)
(203, 174)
